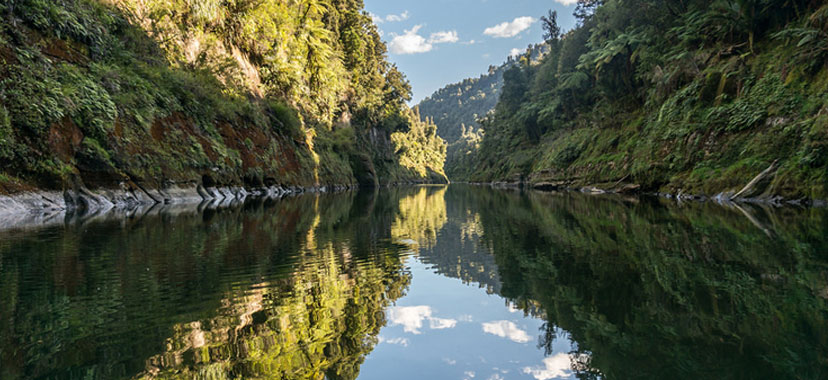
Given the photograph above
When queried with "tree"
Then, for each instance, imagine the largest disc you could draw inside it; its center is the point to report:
(551, 30)
(585, 9)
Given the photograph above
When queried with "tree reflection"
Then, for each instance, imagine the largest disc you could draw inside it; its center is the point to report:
(650, 291)
(291, 289)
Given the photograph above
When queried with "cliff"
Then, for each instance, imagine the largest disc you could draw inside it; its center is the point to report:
(144, 98)
(708, 98)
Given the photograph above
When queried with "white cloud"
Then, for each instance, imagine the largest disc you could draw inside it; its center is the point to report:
(411, 42)
(514, 53)
(441, 323)
(510, 29)
(555, 367)
(566, 2)
(397, 18)
(398, 341)
(376, 19)
(506, 329)
(390, 18)
(444, 37)
(412, 318)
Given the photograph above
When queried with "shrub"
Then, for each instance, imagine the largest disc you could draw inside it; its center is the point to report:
(287, 118)
(92, 108)
(34, 100)
(83, 21)
(6, 136)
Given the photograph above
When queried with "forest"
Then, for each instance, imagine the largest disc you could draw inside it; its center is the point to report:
(456, 108)
(254, 93)
(680, 97)
(676, 97)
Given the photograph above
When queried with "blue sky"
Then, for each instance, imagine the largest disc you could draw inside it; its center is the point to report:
(437, 42)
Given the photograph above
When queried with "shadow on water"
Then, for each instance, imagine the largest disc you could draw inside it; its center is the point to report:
(298, 287)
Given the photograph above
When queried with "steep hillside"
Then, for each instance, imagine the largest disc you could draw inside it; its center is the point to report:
(456, 108)
(681, 97)
(117, 93)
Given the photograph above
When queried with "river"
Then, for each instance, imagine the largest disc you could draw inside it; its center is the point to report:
(453, 282)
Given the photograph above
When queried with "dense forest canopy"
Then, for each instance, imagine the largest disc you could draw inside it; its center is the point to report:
(676, 96)
(298, 92)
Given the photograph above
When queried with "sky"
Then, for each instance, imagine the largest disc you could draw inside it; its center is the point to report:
(438, 42)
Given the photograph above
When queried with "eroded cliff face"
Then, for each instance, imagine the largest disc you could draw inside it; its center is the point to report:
(152, 96)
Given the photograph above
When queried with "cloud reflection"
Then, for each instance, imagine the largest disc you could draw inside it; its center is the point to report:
(397, 341)
(555, 367)
(412, 318)
(506, 329)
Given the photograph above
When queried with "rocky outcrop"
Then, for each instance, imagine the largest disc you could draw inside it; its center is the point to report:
(40, 207)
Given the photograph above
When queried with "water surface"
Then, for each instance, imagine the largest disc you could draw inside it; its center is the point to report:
(426, 282)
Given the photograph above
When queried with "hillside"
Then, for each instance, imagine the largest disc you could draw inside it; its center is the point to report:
(456, 108)
(681, 97)
(156, 94)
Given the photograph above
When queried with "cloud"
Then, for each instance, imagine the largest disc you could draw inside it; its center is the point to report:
(412, 318)
(506, 329)
(510, 29)
(441, 323)
(555, 367)
(397, 18)
(376, 19)
(514, 53)
(398, 341)
(390, 18)
(444, 37)
(566, 2)
(411, 42)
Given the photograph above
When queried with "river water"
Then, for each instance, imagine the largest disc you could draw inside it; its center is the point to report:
(420, 283)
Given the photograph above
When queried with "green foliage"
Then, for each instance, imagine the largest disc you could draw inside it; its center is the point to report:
(679, 96)
(460, 105)
(288, 119)
(90, 104)
(811, 39)
(32, 97)
(87, 22)
(170, 88)
(6, 135)
(419, 148)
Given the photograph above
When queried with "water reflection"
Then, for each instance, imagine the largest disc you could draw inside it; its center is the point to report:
(457, 282)
(649, 291)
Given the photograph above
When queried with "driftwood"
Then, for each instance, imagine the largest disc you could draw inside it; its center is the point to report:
(751, 189)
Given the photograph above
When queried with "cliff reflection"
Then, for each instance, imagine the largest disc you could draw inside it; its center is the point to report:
(650, 290)
(300, 288)
(291, 289)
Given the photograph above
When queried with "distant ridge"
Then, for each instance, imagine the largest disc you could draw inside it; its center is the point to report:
(456, 107)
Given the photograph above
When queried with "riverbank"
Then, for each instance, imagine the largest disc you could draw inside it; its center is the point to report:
(622, 188)
(44, 207)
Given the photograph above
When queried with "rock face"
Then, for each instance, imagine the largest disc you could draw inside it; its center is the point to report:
(39, 207)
